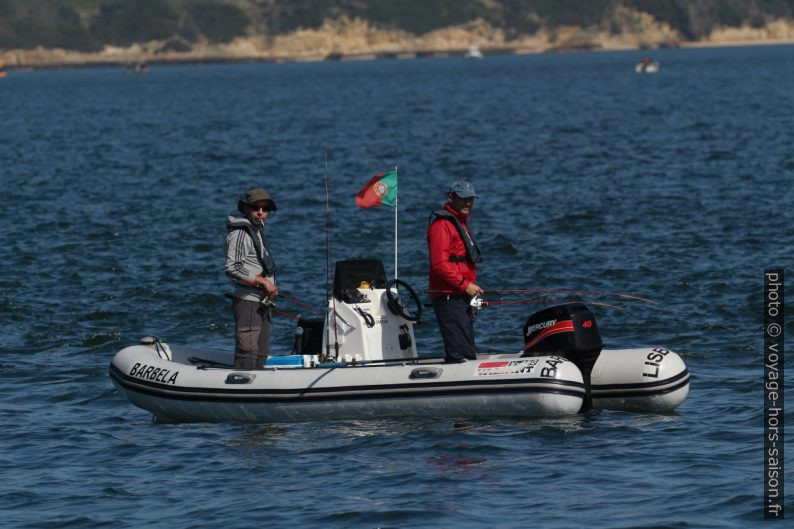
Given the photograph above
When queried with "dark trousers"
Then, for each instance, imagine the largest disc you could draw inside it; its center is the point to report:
(456, 321)
(251, 334)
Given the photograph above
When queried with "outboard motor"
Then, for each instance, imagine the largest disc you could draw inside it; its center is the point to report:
(568, 330)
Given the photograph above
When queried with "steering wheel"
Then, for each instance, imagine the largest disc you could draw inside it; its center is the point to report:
(398, 306)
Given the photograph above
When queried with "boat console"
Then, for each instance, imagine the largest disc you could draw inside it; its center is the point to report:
(369, 319)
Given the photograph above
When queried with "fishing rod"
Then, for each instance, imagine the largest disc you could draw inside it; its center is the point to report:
(554, 291)
(299, 303)
(328, 260)
(266, 301)
(480, 303)
(287, 314)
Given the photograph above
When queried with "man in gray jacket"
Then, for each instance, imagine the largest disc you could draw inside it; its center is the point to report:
(251, 268)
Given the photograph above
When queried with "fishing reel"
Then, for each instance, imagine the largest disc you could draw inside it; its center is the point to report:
(268, 303)
(478, 303)
(400, 307)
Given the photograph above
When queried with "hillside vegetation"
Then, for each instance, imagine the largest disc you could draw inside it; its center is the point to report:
(187, 25)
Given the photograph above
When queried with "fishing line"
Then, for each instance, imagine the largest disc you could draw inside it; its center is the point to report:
(571, 292)
(487, 303)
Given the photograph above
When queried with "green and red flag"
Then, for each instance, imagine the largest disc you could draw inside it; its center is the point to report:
(381, 189)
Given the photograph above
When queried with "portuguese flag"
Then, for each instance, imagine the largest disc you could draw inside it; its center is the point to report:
(381, 189)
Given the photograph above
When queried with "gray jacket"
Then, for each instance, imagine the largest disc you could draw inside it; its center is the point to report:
(242, 263)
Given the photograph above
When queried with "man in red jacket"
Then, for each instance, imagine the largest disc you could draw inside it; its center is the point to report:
(453, 271)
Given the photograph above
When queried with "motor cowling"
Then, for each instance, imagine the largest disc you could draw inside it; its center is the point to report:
(568, 330)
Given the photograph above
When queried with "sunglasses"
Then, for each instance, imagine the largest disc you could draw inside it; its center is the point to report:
(266, 207)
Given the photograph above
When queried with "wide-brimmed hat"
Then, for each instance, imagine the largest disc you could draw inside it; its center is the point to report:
(463, 189)
(256, 196)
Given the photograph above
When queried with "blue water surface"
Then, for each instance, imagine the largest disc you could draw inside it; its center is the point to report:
(675, 187)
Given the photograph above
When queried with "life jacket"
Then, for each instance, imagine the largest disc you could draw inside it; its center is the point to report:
(265, 258)
(472, 250)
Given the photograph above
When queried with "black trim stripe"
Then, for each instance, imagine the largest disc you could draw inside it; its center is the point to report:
(682, 374)
(415, 390)
(611, 391)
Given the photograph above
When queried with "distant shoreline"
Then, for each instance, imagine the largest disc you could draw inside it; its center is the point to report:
(350, 39)
(48, 59)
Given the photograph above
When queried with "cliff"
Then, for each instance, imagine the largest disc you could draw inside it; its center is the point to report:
(208, 30)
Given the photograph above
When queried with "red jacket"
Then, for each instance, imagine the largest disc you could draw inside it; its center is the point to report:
(443, 241)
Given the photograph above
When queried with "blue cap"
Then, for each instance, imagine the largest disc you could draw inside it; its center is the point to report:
(463, 189)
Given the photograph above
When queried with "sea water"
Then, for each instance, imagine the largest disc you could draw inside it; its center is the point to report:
(674, 187)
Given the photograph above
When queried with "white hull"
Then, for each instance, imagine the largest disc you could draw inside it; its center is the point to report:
(163, 381)
(651, 67)
(473, 53)
(655, 380)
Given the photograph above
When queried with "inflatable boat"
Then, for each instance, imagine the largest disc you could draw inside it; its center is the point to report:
(647, 66)
(361, 361)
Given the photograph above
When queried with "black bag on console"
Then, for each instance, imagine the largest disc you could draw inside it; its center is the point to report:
(308, 337)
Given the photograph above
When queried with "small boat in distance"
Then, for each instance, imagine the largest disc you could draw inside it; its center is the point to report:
(473, 53)
(646, 65)
(136, 67)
